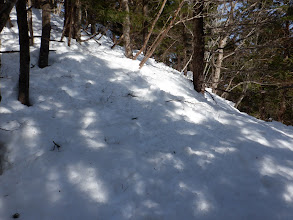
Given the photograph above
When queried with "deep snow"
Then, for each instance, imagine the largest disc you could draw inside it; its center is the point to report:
(135, 144)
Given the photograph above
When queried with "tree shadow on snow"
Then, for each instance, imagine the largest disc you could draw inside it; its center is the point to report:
(126, 153)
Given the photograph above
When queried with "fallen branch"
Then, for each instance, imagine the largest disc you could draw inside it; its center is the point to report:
(17, 51)
(117, 42)
(92, 37)
(56, 145)
(10, 51)
(180, 100)
(211, 96)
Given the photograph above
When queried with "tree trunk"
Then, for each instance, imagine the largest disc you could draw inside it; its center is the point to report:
(67, 15)
(77, 23)
(46, 29)
(0, 69)
(30, 22)
(244, 90)
(36, 4)
(23, 92)
(93, 23)
(225, 94)
(1, 6)
(198, 49)
(185, 50)
(4, 13)
(126, 30)
(287, 35)
(217, 73)
(282, 109)
(144, 22)
(2, 3)
(262, 104)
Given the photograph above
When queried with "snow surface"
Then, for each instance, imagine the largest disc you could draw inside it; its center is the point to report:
(135, 144)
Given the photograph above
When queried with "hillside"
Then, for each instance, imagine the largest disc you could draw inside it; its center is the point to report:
(135, 144)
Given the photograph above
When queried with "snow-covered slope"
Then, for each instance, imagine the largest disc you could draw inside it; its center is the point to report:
(135, 144)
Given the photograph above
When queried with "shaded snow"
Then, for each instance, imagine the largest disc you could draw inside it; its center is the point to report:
(135, 144)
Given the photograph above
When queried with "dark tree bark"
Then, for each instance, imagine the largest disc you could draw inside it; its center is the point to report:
(144, 23)
(46, 29)
(30, 22)
(77, 21)
(92, 22)
(36, 4)
(0, 69)
(67, 15)
(126, 30)
(1, 6)
(198, 48)
(4, 12)
(23, 90)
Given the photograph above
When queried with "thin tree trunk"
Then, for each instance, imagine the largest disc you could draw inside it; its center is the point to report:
(262, 107)
(46, 29)
(184, 70)
(0, 69)
(126, 30)
(151, 31)
(287, 34)
(185, 50)
(68, 17)
(70, 25)
(160, 37)
(198, 49)
(30, 22)
(93, 23)
(117, 41)
(218, 66)
(1, 6)
(282, 109)
(145, 22)
(65, 28)
(225, 94)
(244, 90)
(23, 92)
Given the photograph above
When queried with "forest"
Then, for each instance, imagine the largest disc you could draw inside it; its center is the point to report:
(240, 49)
(125, 109)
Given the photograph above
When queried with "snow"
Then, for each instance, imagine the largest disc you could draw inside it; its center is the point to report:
(135, 143)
